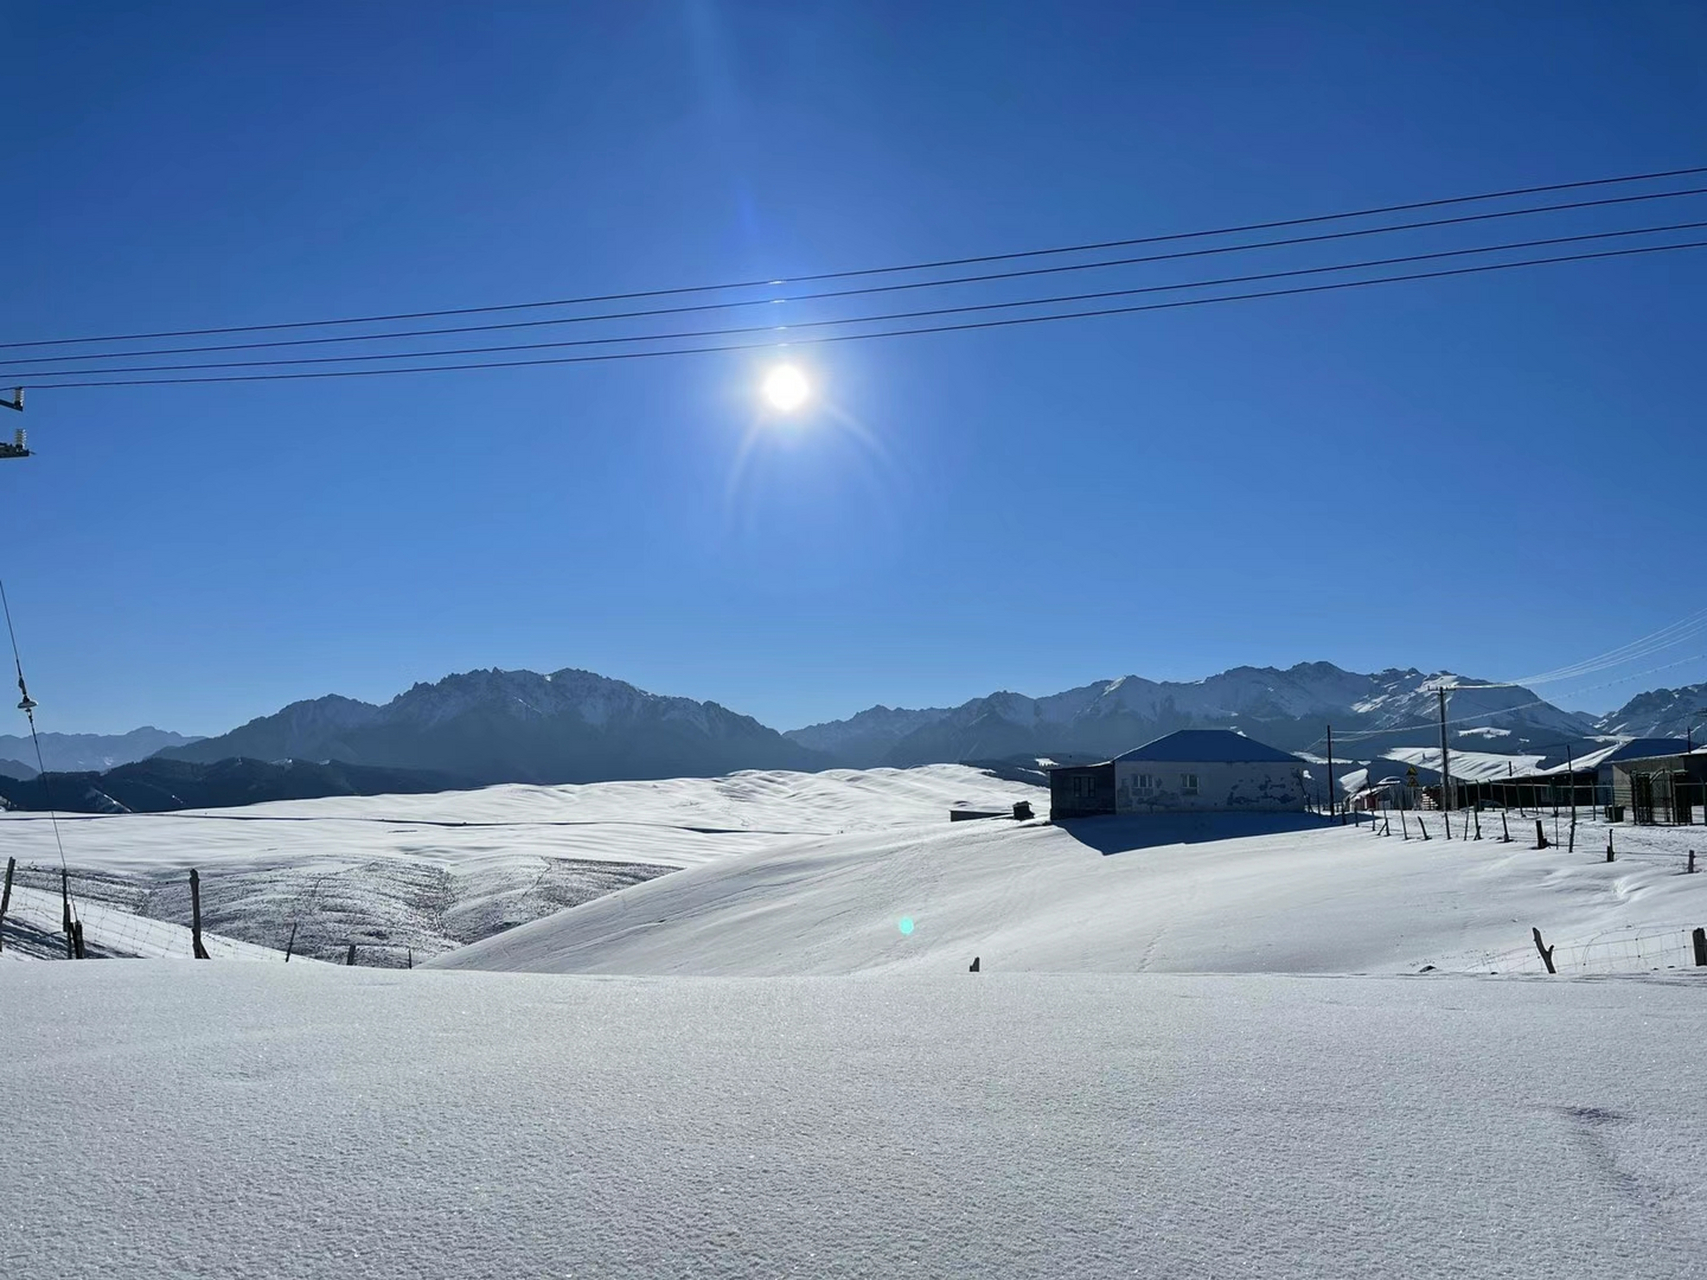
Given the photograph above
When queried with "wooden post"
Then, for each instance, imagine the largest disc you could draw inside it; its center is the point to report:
(411, 957)
(77, 939)
(1609, 846)
(1420, 826)
(1699, 938)
(65, 906)
(6, 896)
(1506, 828)
(196, 948)
(1546, 952)
(350, 959)
(1404, 825)
(1690, 869)
(1540, 836)
(291, 944)
(1477, 814)
(1572, 846)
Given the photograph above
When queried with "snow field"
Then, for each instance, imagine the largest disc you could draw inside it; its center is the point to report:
(1147, 893)
(203, 1120)
(431, 872)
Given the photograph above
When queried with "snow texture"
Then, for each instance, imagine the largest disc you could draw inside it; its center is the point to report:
(1145, 893)
(202, 1120)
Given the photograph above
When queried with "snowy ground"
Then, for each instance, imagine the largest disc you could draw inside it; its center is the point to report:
(431, 872)
(182, 1120)
(1212, 893)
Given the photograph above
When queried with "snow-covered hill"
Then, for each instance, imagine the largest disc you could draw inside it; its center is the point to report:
(1203, 893)
(1287, 708)
(430, 872)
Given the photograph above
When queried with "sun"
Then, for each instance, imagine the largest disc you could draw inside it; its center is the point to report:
(785, 388)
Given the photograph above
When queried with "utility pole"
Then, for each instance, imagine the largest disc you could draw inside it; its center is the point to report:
(1689, 728)
(17, 447)
(1445, 764)
(1571, 775)
(1330, 771)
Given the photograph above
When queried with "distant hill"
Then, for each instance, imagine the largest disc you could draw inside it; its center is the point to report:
(1660, 713)
(160, 785)
(517, 726)
(16, 769)
(89, 751)
(1286, 708)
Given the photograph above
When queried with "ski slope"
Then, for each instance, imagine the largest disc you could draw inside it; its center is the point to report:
(1150, 893)
(430, 872)
(314, 1123)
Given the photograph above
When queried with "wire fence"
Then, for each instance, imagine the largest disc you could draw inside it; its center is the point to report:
(1643, 949)
(384, 912)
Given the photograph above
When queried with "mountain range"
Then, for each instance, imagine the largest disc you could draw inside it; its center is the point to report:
(517, 726)
(489, 726)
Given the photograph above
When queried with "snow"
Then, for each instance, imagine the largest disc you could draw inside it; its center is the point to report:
(1146, 893)
(1467, 766)
(429, 872)
(204, 1120)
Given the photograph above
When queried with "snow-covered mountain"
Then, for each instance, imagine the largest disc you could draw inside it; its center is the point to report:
(1660, 713)
(863, 740)
(1288, 708)
(88, 751)
(517, 726)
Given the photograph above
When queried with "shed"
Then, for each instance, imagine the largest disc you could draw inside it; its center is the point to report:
(1079, 790)
(1661, 789)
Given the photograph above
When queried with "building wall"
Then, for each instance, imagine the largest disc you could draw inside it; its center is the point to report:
(1255, 786)
(1085, 789)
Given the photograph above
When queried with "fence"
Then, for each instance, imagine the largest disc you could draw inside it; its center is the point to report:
(52, 912)
(1642, 949)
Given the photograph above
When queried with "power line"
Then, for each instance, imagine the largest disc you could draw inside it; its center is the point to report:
(964, 309)
(883, 333)
(854, 273)
(646, 313)
(28, 706)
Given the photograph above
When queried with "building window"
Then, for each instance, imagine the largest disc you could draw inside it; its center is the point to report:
(1188, 784)
(1147, 782)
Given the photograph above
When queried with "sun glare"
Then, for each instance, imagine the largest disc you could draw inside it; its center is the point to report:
(785, 388)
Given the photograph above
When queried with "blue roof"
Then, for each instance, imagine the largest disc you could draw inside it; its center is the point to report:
(1645, 748)
(1209, 746)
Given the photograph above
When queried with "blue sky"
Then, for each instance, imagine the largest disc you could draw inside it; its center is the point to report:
(1032, 508)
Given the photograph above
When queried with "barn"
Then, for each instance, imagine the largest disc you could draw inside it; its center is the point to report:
(1193, 769)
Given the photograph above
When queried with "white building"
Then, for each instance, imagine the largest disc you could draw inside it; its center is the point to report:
(1208, 769)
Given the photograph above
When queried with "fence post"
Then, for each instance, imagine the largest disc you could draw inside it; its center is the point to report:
(1540, 836)
(65, 907)
(1476, 813)
(1421, 827)
(1506, 828)
(196, 948)
(411, 957)
(1609, 846)
(1446, 817)
(77, 939)
(6, 896)
(290, 945)
(1546, 952)
(350, 959)
(1699, 938)
(1690, 870)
